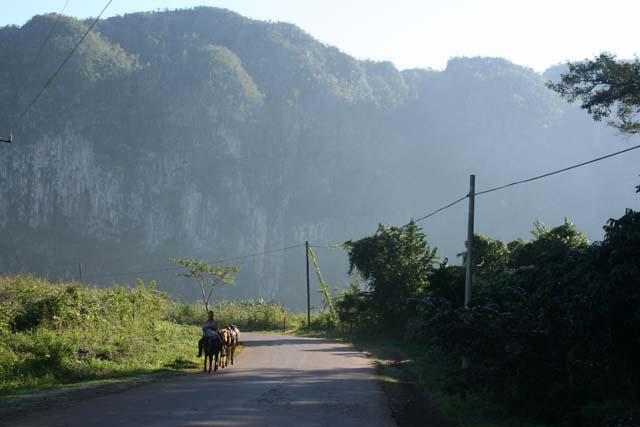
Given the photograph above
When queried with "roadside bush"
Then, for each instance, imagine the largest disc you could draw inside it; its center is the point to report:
(553, 327)
(250, 315)
(60, 333)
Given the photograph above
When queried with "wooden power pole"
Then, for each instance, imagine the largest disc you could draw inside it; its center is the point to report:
(306, 247)
(469, 275)
(469, 260)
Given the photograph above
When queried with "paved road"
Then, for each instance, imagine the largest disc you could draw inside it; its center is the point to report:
(278, 380)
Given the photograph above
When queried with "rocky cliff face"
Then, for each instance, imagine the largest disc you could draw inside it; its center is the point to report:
(203, 134)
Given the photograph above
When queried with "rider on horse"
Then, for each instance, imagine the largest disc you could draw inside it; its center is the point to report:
(209, 331)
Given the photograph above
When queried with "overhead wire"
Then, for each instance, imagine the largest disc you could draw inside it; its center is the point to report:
(66, 59)
(217, 261)
(508, 185)
(37, 57)
(338, 246)
(442, 208)
(557, 171)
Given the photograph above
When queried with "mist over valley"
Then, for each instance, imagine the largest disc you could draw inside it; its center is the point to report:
(203, 134)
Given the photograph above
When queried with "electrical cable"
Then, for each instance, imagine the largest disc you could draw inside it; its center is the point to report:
(337, 246)
(510, 185)
(557, 171)
(35, 61)
(50, 80)
(442, 208)
(217, 261)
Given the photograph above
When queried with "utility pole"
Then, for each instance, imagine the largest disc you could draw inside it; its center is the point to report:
(80, 272)
(469, 275)
(469, 279)
(306, 247)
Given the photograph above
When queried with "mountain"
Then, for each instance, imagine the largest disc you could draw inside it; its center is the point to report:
(200, 133)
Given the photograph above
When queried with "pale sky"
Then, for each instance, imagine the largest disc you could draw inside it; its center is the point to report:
(415, 33)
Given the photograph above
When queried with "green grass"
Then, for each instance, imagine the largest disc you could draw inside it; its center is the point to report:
(53, 335)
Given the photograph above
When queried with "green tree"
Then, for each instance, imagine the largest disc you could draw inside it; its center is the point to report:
(610, 306)
(352, 306)
(605, 86)
(549, 248)
(396, 263)
(490, 257)
(207, 277)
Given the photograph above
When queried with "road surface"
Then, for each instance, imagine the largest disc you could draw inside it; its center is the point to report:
(278, 380)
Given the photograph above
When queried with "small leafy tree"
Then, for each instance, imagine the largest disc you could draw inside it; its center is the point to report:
(207, 277)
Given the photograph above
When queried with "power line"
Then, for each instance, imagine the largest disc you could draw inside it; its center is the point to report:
(337, 246)
(48, 82)
(340, 246)
(158, 270)
(557, 171)
(507, 185)
(257, 254)
(35, 61)
(442, 208)
(528, 180)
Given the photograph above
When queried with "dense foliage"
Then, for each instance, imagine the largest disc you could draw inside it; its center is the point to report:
(553, 328)
(395, 262)
(58, 334)
(53, 334)
(249, 315)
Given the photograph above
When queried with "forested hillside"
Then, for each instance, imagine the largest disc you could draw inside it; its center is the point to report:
(203, 134)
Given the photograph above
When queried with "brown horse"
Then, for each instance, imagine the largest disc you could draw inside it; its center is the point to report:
(235, 335)
(211, 347)
(227, 347)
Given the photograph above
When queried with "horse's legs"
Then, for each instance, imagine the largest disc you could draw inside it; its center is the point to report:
(216, 364)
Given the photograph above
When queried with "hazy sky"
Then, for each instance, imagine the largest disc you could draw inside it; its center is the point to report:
(417, 33)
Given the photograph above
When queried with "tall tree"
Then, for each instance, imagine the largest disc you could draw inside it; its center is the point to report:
(396, 263)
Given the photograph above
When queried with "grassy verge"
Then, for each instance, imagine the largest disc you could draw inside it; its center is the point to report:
(51, 359)
(56, 335)
(62, 336)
